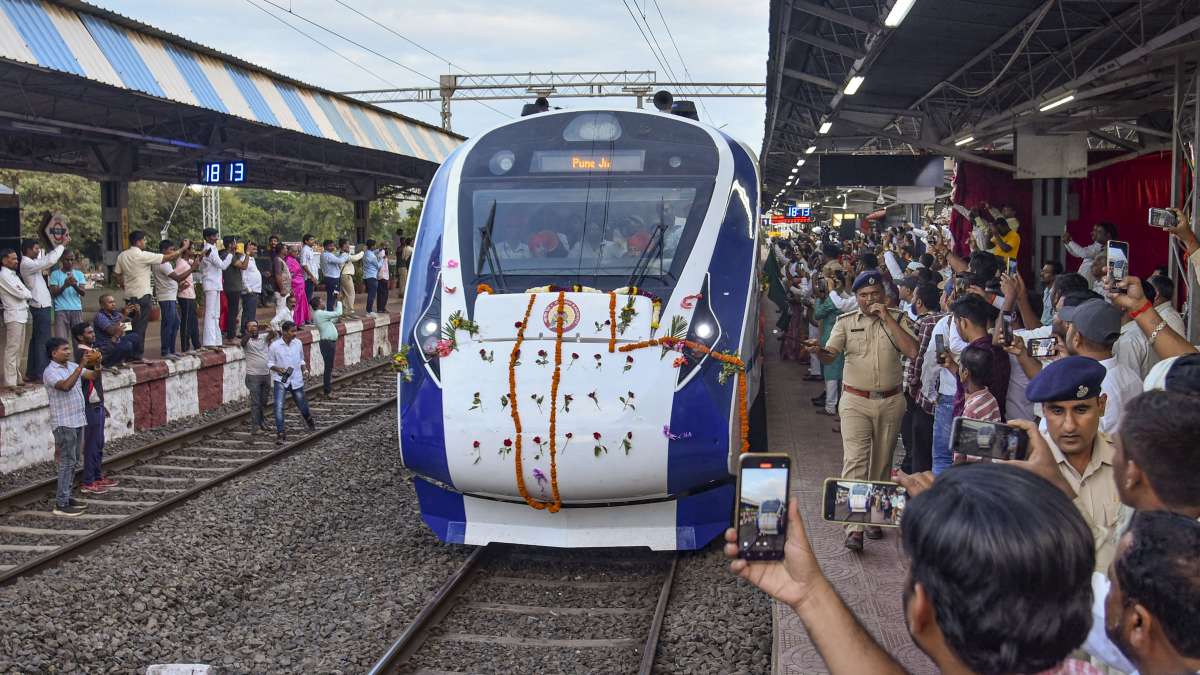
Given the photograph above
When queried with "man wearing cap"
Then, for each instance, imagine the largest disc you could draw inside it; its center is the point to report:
(1093, 327)
(1073, 403)
(873, 338)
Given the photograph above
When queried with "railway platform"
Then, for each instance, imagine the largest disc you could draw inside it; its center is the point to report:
(870, 582)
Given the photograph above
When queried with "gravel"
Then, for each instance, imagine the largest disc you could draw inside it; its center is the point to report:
(715, 622)
(114, 448)
(314, 563)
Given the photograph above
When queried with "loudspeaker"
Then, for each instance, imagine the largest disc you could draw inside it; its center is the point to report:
(10, 222)
(663, 100)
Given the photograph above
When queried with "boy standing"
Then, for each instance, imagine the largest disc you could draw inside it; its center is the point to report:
(61, 378)
(94, 412)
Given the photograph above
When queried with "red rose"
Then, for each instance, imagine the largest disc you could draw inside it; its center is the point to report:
(628, 359)
(507, 442)
(517, 324)
(537, 439)
(475, 444)
(541, 352)
(596, 356)
(629, 435)
(596, 435)
(570, 435)
(574, 355)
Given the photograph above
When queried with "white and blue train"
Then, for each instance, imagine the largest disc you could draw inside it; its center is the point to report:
(645, 224)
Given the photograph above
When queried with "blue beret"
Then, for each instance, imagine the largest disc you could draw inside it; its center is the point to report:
(1074, 378)
(868, 278)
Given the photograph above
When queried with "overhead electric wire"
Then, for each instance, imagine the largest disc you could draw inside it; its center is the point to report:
(687, 73)
(638, 24)
(365, 48)
(975, 93)
(419, 46)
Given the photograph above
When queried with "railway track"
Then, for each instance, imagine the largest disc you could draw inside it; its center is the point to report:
(165, 473)
(520, 609)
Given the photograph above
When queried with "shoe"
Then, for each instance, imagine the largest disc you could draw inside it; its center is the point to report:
(107, 482)
(854, 541)
(78, 504)
(264, 428)
(819, 401)
(874, 532)
(813, 378)
(822, 411)
(94, 488)
(312, 425)
(68, 511)
(280, 438)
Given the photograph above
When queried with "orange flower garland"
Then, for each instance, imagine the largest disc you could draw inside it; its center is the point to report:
(558, 333)
(612, 321)
(512, 397)
(484, 288)
(743, 416)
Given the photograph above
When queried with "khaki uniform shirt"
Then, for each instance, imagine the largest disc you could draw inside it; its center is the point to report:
(135, 267)
(873, 362)
(1096, 496)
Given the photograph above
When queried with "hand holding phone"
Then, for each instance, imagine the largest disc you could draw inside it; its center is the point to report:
(1041, 348)
(1162, 218)
(863, 502)
(1118, 264)
(760, 519)
(975, 441)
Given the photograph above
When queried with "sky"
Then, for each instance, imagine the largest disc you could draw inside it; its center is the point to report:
(717, 45)
(759, 485)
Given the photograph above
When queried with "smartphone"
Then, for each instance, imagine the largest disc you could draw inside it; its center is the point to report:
(974, 441)
(128, 325)
(762, 500)
(1042, 347)
(1118, 263)
(1012, 267)
(961, 285)
(1163, 218)
(939, 347)
(240, 248)
(1007, 318)
(865, 502)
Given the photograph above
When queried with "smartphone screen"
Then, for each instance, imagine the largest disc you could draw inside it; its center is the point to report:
(761, 518)
(939, 342)
(1007, 317)
(1162, 218)
(976, 441)
(1012, 267)
(863, 502)
(1042, 347)
(240, 248)
(1118, 261)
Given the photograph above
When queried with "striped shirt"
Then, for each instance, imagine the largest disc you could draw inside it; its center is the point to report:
(66, 407)
(982, 406)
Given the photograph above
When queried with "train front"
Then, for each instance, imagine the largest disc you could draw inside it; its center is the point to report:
(582, 331)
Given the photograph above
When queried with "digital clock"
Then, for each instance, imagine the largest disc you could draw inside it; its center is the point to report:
(231, 172)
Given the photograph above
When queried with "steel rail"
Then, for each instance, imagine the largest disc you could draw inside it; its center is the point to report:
(100, 536)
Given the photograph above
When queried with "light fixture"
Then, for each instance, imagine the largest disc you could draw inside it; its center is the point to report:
(795, 170)
(896, 14)
(825, 127)
(800, 163)
(963, 141)
(811, 149)
(704, 330)
(39, 128)
(1054, 104)
(853, 85)
(160, 147)
(803, 205)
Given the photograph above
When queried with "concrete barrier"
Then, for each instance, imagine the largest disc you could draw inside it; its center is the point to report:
(150, 395)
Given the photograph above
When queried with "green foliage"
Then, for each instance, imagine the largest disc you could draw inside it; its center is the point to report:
(246, 213)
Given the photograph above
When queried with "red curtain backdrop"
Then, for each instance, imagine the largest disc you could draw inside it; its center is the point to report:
(975, 184)
(1122, 194)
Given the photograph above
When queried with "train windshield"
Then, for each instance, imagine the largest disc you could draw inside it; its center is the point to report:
(577, 198)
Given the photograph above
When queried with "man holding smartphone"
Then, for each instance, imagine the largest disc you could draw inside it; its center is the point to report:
(873, 338)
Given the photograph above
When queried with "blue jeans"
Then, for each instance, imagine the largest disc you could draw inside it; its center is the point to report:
(93, 443)
(168, 325)
(68, 442)
(297, 396)
(39, 332)
(372, 292)
(943, 418)
(331, 285)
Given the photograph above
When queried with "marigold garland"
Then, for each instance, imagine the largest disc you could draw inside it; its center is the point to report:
(512, 395)
(558, 333)
(484, 288)
(743, 406)
(612, 321)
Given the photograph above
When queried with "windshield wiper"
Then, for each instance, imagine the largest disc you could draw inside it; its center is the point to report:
(640, 270)
(487, 251)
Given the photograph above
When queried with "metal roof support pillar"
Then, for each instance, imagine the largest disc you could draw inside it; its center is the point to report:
(1194, 287)
(114, 218)
(1177, 102)
(362, 219)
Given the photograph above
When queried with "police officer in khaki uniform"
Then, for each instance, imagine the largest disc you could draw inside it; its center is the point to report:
(874, 338)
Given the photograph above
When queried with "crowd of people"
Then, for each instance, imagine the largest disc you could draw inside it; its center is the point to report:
(42, 293)
(1092, 540)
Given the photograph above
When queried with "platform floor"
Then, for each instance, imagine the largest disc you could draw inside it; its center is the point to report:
(870, 582)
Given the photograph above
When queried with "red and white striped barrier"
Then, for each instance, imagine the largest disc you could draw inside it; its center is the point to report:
(150, 395)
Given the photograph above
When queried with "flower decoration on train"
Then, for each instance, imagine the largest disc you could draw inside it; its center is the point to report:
(542, 357)
(541, 445)
(595, 399)
(628, 314)
(627, 442)
(452, 264)
(542, 481)
(627, 401)
(484, 289)
(487, 356)
(450, 290)
(600, 448)
(538, 399)
(400, 364)
(680, 361)
(476, 403)
(503, 401)
(628, 364)
(574, 358)
(567, 401)
(506, 447)
(568, 436)
(444, 348)
(599, 360)
(689, 301)
(475, 451)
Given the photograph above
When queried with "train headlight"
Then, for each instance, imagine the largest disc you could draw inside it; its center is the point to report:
(704, 331)
(593, 127)
(502, 162)
(428, 330)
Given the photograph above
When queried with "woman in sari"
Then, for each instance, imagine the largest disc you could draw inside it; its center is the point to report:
(301, 316)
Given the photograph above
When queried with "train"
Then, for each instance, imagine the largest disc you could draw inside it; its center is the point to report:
(581, 341)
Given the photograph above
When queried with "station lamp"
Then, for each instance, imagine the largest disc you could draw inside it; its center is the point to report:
(896, 14)
(853, 85)
(825, 127)
(964, 141)
(1062, 100)
(811, 149)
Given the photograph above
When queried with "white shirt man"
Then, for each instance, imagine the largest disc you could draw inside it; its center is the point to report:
(15, 297)
(310, 260)
(284, 354)
(1088, 253)
(251, 278)
(31, 274)
(211, 269)
(166, 289)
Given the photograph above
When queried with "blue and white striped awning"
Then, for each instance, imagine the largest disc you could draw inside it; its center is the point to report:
(89, 45)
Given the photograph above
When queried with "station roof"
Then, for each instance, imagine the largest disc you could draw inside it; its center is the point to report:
(66, 65)
(969, 72)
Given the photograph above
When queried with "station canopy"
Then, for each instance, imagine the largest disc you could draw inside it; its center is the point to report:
(87, 91)
(964, 79)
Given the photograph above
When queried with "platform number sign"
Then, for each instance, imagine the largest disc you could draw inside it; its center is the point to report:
(223, 173)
